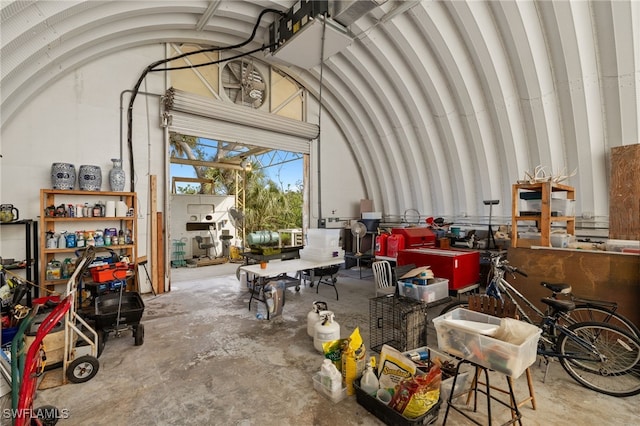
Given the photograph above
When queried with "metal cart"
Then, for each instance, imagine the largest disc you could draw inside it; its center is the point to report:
(118, 312)
(79, 364)
(114, 311)
(324, 275)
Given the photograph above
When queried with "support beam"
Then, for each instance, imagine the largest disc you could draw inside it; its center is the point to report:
(153, 235)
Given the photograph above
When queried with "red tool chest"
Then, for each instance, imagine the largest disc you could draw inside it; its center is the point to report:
(460, 267)
(416, 237)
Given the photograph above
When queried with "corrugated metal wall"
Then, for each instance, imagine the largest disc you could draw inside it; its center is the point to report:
(442, 106)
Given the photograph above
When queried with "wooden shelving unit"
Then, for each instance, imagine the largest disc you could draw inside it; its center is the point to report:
(544, 218)
(56, 197)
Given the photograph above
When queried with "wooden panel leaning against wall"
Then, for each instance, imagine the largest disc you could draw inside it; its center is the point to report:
(624, 193)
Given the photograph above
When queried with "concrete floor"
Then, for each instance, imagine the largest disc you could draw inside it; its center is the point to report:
(207, 360)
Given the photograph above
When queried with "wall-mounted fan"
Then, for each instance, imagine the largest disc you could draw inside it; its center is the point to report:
(236, 217)
(243, 83)
(358, 229)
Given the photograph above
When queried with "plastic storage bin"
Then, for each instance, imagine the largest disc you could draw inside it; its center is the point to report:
(559, 206)
(436, 289)
(388, 415)
(322, 245)
(53, 341)
(465, 373)
(563, 207)
(484, 350)
(321, 254)
(7, 335)
(334, 396)
(464, 376)
(104, 273)
(323, 238)
(559, 240)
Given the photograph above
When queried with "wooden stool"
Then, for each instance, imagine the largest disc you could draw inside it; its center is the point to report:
(516, 415)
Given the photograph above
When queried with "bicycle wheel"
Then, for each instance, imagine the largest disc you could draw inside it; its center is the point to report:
(612, 369)
(455, 305)
(590, 313)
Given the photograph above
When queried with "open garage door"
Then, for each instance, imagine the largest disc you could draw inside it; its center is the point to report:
(196, 115)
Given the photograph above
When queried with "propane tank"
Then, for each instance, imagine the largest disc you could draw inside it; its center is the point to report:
(263, 238)
(326, 330)
(314, 316)
(381, 244)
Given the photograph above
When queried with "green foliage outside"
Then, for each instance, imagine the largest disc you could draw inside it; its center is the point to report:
(268, 206)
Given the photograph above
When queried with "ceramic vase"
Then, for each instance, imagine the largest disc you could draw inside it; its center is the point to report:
(116, 175)
(63, 176)
(90, 178)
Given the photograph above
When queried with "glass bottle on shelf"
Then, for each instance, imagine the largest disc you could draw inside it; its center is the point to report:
(80, 241)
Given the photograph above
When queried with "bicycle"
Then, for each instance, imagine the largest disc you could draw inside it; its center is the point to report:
(599, 356)
(586, 310)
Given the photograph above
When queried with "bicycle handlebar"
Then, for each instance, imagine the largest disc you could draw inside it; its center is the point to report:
(524, 274)
(508, 268)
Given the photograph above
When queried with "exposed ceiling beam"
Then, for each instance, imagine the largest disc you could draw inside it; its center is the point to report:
(402, 6)
(211, 9)
(201, 163)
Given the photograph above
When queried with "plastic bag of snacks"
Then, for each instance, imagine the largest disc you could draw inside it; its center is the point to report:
(414, 396)
(394, 367)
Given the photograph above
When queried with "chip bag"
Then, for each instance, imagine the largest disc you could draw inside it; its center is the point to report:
(414, 396)
(394, 367)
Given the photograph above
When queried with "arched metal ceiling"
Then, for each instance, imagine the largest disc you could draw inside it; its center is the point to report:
(443, 105)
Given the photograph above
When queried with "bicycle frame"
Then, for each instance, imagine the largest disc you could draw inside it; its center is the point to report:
(549, 322)
(552, 324)
(498, 285)
(575, 343)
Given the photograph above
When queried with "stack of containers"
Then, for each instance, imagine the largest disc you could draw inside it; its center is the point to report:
(322, 245)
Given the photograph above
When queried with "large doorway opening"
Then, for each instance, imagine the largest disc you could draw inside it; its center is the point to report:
(221, 192)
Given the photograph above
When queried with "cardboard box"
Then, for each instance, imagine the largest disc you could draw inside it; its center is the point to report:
(366, 206)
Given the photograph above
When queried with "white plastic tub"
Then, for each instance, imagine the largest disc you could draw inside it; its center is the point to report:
(437, 289)
(560, 240)
(334, 396)
(323, 238)
(483, 350)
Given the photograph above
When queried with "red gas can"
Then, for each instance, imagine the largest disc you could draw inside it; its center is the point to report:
(381, 244)
(395, 243)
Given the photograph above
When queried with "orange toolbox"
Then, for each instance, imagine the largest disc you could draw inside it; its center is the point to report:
(113, 271)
